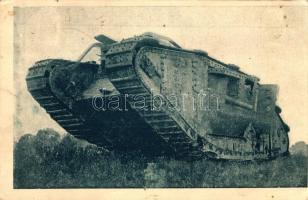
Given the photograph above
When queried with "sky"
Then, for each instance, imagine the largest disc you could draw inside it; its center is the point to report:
(269, 42)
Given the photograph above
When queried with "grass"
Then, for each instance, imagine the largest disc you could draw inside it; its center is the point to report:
(48, 160)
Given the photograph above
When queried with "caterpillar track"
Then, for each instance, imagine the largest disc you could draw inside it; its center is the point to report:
(163, 124)
(39, 87)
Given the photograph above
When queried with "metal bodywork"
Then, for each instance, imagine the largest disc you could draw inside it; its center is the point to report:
(161, 100)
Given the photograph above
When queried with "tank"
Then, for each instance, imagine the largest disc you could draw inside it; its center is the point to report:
(148, 95)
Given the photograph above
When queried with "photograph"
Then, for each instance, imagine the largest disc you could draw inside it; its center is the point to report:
(156, 96)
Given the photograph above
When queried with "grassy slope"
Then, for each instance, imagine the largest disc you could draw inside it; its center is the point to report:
(49, 161)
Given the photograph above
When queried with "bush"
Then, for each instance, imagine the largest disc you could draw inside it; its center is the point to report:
(48, 160)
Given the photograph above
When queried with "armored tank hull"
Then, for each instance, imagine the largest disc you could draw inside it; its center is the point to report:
(149, 95)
